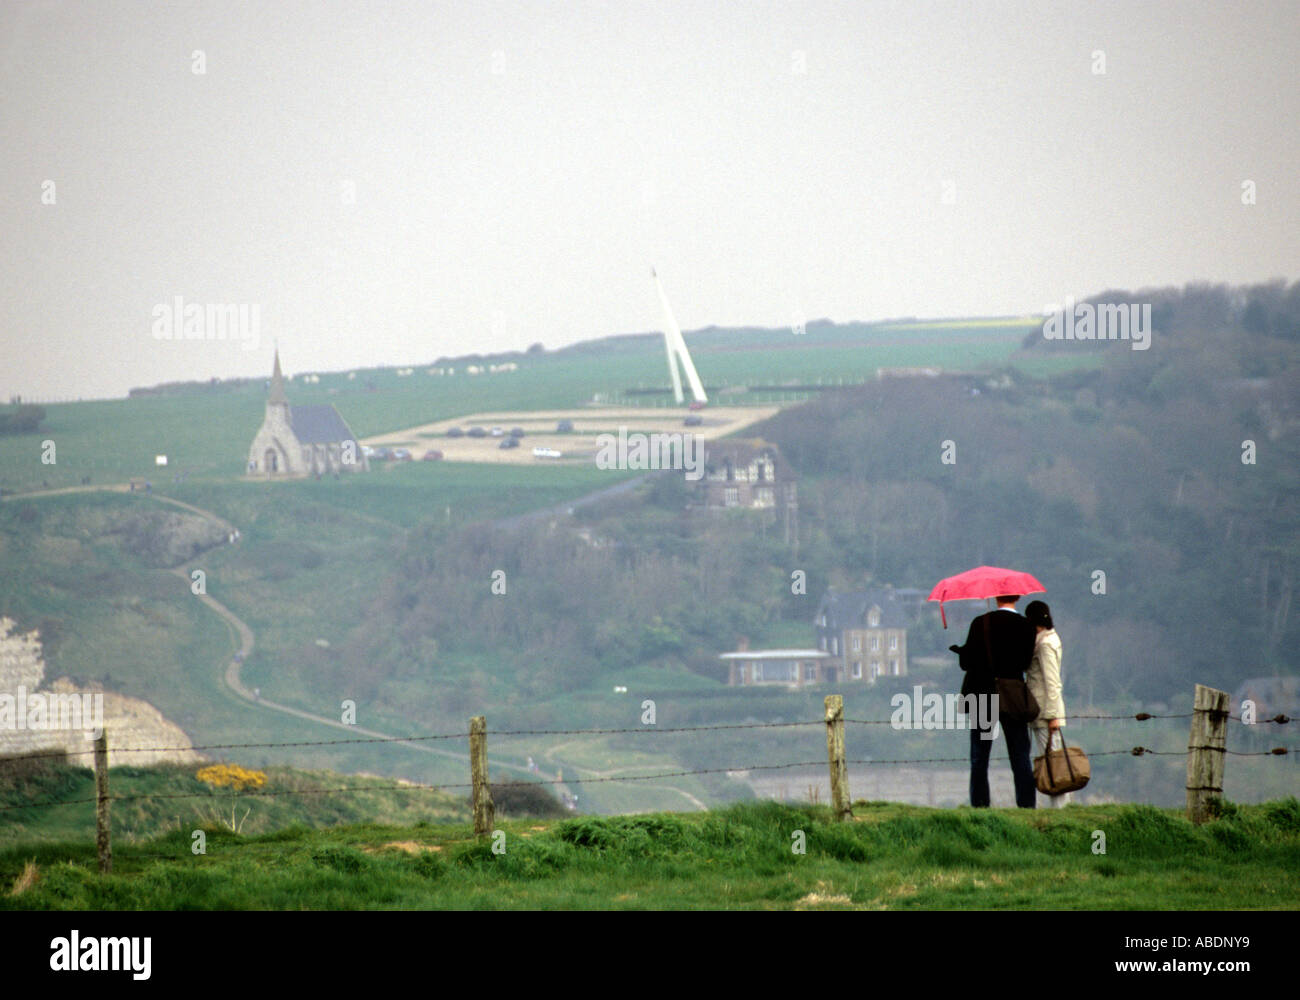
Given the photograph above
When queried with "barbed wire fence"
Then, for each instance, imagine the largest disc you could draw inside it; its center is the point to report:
(1206, 752)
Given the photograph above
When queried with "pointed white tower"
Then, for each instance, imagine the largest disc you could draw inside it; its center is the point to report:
(676, 348)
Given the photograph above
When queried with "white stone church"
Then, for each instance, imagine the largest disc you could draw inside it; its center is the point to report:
(302, 440)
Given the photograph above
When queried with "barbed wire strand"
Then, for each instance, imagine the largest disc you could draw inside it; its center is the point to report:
(1137, 751)
(636, 731)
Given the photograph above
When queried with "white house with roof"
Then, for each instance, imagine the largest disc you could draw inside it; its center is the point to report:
(787, 667)
(302, 440)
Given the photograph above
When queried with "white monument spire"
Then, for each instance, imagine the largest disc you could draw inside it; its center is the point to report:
(676, 348)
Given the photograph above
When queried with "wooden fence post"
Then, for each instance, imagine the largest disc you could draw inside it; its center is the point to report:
(484, 813)
(103, 828)
(1205, 751)
(835, 754)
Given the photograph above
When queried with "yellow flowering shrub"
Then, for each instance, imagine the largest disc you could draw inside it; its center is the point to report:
(231, 776)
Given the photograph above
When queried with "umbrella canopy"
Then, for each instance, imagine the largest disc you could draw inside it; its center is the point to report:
(981, 582)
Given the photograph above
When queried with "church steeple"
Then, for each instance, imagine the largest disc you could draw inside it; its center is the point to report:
(276, 395)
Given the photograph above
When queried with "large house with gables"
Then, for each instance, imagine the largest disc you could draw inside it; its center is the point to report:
(866, 630)
(861, 636)
(747, 474)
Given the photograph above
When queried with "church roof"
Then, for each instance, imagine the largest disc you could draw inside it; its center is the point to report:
(276, 394)
(319, 424)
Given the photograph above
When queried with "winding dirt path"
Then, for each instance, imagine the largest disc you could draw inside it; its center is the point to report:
(246, 639)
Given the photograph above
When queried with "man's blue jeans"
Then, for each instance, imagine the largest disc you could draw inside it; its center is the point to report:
(1017, 734)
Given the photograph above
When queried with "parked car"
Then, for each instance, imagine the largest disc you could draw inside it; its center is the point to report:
(564, 427)
(455, 432)
(383, 454)
(509, 442)
(694, 420)
(433, 455)
(477, 432)
(368, 451)
(545, 453)
(498, 432)
(401, 455)
(516, 432)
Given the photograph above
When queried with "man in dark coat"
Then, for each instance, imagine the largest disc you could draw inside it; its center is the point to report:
(999, 644)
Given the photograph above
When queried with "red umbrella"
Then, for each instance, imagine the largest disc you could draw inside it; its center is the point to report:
(981, 582)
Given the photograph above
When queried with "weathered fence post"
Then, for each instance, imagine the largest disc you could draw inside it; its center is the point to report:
(103, 829)
(1205, 751)
(835, 754)
(478, 774)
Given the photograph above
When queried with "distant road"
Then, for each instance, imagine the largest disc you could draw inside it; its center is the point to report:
(569, 506)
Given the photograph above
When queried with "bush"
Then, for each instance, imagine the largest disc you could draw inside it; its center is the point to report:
(39, 779)
(636, 836)
(429, 865)
(347, 860)
(1284, 814)
(24, 419)
(531, 800)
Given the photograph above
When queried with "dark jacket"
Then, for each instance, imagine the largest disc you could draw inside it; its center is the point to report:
(1011, 643)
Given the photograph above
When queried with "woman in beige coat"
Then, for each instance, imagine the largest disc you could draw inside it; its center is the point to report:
(1044, 680)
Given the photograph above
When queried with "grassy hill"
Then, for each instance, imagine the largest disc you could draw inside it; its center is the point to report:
(205, 428)
(743, 857)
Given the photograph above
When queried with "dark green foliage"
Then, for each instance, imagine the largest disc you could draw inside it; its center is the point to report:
(45, 778)
(347, 860)
(526, 799)
(1285, 815)
(636, 836)
(1146, 830)
(22, 419)
(429, 865)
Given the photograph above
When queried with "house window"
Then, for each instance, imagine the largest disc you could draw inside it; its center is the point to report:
(740, 673)
(857, 644)
(823, 644)
(777, 670)
(875, 644)
(732, 496)
(857, 669)
(835, 645)
(893, 643)
(875, 670)
(810, 671)
(873, 619)
(893, 667)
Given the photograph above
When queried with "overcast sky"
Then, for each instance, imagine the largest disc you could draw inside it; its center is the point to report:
(387, 183)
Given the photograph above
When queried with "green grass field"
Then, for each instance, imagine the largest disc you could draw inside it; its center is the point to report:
(749, 856)
(205, 431)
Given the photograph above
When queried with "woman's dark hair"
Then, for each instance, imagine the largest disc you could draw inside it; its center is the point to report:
(1039, 613)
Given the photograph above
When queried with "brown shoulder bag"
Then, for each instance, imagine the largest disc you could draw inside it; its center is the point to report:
(1063, 770)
